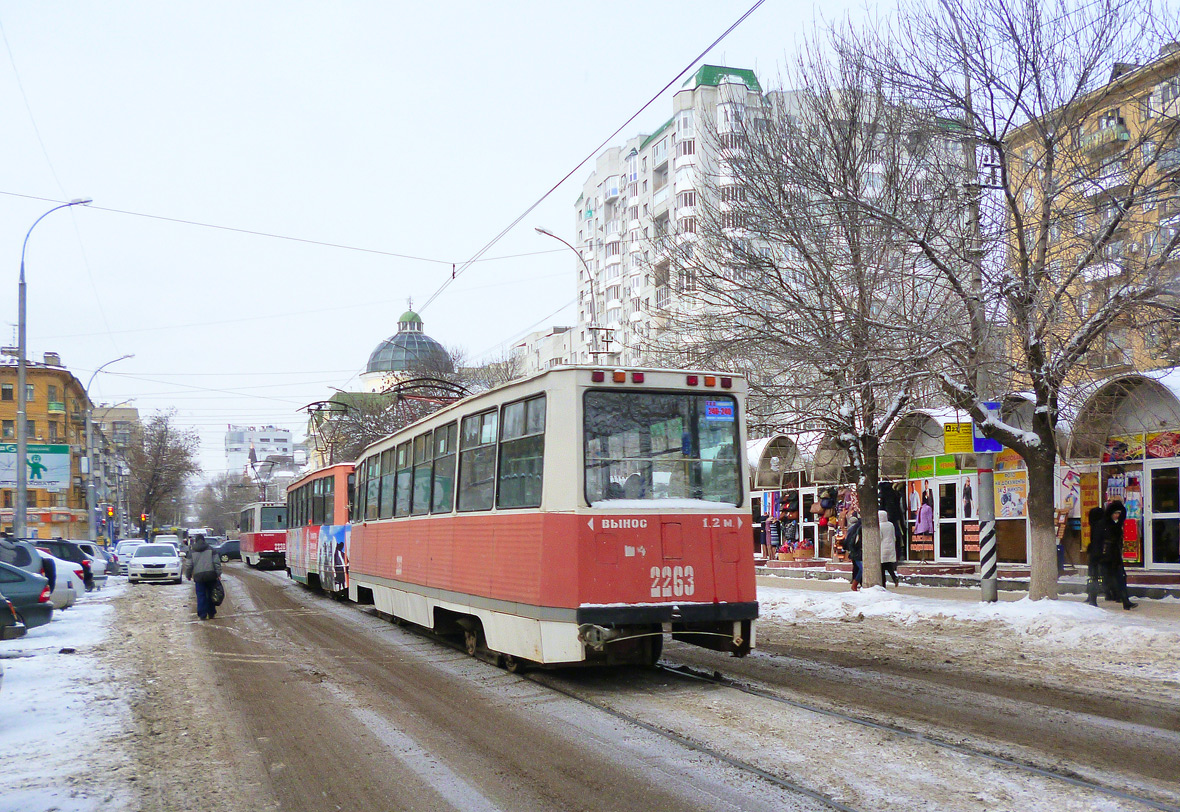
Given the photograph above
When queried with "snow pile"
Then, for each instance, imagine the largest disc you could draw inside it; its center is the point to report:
(1061, 622)
(55, 708)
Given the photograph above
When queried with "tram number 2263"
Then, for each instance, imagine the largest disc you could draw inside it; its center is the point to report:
(672, 581)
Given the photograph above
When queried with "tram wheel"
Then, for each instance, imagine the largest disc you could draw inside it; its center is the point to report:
(656, 647)
(471, 641)
(514, 665)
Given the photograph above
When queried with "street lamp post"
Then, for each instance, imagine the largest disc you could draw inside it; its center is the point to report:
(91, 525)
(594, 326)
(22, 401)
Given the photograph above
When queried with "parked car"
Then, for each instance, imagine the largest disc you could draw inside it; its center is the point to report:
(154, 562)
(22, 553)
(67, 585)
(97, 552)
(229, 549)
(29, 593)
(124, 550)
(174, 540)
(11, 626)
(70, 551)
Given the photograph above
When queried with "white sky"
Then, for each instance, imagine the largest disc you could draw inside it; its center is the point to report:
(420, 129)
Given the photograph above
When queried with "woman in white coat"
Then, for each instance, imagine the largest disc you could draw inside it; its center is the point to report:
(888, 547)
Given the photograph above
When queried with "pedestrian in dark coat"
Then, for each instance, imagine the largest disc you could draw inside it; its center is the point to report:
(1112, 552)
(203, 568)
(855, 548)
(1096, 572)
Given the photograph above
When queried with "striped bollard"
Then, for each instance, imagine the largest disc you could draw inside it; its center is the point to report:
(987, 530)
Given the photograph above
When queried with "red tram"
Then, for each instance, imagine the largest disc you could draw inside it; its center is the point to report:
(318, 531)
(263, 534)
(572, 517)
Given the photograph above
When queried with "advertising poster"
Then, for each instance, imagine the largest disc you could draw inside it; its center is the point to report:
(48, 466)
(1090, 499)
(1071, 492)
(1011, 494)
(1125, 447)
(1008, 460)
(958, 438)
(969, 487)
(1133, 499)
(1163, 445)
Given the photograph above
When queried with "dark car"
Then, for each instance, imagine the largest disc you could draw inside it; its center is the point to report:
(70, 551)
(11, 626)
(24, 555)
(29, 594)
(229, 549)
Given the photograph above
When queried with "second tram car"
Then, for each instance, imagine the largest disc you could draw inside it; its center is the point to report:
(262, 531)
(318, 530)
(572, 517)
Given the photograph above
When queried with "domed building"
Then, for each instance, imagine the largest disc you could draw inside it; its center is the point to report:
(407, 353)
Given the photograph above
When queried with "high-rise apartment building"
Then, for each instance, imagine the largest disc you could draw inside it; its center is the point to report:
(264, 443)
(638, 203)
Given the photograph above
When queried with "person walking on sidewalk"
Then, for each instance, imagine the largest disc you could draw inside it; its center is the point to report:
(1096, 571)
(888, 548)
(1112, 552)
(203, 568)
(852, 543)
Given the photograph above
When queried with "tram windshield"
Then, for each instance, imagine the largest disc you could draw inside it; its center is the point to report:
(273, 518)
(642, 446)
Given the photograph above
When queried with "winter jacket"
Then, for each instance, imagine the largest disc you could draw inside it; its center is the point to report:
(1097, 521)
(1112, 535)
(201, 559)
(888, 538)
(852, 541)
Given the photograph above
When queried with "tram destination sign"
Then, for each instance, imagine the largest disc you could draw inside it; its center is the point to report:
(48, 466)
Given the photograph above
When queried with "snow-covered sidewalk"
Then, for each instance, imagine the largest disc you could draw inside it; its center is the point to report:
(59, 708)
(1067, 628)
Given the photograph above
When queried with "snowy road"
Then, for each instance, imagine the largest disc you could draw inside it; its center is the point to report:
(296, 702)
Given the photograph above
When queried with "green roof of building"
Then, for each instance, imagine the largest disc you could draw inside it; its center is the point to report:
(410, 316)
(658, 132)
(713, 75)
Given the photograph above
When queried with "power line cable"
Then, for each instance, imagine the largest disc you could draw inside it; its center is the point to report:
(476, 258)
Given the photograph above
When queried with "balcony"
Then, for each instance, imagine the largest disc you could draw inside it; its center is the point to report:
(1108, 183)
(57, 407)
(1101, 139)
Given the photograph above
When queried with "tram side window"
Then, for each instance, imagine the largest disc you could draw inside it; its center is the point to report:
(350, 508)
(405, 478)
(358, 501)
(522, 454)
(317, 502)
(423, 453)
(246, 525)
(477, 461)
(387, 476)
(373, 489)
(330, 499)
(444, 469)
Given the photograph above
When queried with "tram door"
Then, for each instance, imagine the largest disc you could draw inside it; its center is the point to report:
(1163, 534)
(948, 520)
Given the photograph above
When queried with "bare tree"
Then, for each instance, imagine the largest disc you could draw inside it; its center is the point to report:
(221, 501)
(784, 274)
(1061, 242)
(162, 457)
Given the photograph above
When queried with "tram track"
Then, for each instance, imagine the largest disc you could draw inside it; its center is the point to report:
(716, 678)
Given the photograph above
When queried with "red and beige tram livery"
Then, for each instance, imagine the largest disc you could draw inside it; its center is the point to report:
(262, 531)
(575, 516)
(318, 531)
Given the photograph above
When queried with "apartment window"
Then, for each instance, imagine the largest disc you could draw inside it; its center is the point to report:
(29, 392)
(645, 191)
(8, 499)
(9, 429)
(1147, 149)
(688, 225)
(686, 146)
(733, 193)
(6, 391)
(684, 123)
(732, 219)
(52, 432)
(686, 199)
(52, 397)
(31, 430)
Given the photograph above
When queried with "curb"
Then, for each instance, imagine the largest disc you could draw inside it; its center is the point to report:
(969, 582)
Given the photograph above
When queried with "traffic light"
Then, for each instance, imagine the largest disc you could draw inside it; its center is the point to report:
(110, 511)
(143, 517)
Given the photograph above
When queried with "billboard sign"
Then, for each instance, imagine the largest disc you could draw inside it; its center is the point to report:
(48, 466)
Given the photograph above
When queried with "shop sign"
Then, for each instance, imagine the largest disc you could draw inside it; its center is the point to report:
(1163, 445)
(921, 467)
(922, 543)
(1123, 447)
(1008, 460)
(49, 466)
(944, 465)
(1090, 499)
(958, 438)
(1011, 491)
(971, 537)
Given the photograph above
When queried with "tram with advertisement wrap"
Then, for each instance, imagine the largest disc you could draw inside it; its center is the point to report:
(318, 530)
(262, 531)
(576, 516)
